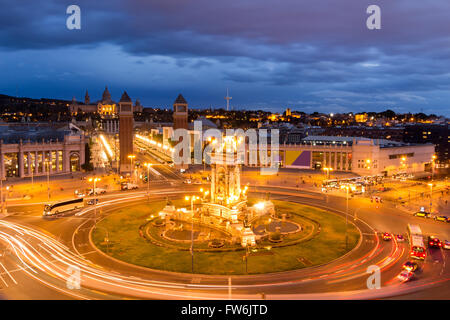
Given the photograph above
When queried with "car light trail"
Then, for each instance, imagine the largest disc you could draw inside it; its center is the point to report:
(106, 145)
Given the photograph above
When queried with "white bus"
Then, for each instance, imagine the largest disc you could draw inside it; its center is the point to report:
(418, 250)
(62, 206)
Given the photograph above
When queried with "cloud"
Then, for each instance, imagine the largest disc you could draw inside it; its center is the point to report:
(278, 51)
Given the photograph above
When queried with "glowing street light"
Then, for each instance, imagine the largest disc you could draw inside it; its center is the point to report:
(148, 165)
(259, 205)
(94, 180)
(192, 199)
(431, 196)
(433, 159)
(328, 171)
(346, 219)
(132, 157)
(47, 166)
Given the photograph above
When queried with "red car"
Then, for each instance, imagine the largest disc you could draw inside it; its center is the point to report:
(387, 236)
(434, 242)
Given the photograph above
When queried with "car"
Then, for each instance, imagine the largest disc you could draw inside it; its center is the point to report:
(442, 218)
(410, 266)
(187, 181)
(400, 238)
(79, 194)
(97, 191)
(405, 275)
(434, 242)
(387, 236)
(446, 244)
(422, 214)
(92, 202)
(128, 186)
(376, 199)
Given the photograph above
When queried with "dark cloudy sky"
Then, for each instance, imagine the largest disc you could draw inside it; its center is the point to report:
(310, 55)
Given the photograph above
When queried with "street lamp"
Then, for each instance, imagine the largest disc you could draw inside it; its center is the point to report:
(148, 165)
(328, 172)
(431, 196)
(192, 199)
(204, 193)
(1, 194)
(131, 157)
(116, 154)
(346, 219)
(94, 180)
(47, 165)
(433, 159)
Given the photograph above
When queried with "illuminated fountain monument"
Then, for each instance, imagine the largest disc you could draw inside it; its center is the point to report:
(226, 208)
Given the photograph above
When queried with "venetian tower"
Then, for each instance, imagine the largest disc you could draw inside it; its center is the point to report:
(125, 132)
(180, 113)
(180, 121)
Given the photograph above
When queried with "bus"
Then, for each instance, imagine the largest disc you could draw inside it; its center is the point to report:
(62, 206)
(418, 250)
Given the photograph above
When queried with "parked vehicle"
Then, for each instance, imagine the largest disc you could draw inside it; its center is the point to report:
(422, 214)
(442, 218)
(97, 191)
(128, 186)
(92, 202)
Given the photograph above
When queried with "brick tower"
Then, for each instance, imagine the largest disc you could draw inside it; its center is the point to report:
(125, 132)
(180, 113)
(180, 121)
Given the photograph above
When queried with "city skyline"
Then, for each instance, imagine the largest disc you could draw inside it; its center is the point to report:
(300, 55)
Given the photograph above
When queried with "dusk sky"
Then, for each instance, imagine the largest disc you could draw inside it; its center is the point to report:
(309, 55)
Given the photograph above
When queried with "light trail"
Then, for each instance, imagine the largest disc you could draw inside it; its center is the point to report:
(40, 254)
(106, 145)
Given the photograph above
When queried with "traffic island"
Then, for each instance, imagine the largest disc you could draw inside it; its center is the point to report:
(309, 237)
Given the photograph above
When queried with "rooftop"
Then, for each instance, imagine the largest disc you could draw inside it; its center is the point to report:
(13, 133)
(180, 99)
(329, 140)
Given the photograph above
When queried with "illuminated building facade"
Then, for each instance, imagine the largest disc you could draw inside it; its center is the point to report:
(106, 107)
(354, 154)
(37, 149)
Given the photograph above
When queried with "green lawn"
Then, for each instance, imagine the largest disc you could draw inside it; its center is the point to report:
(126, 244)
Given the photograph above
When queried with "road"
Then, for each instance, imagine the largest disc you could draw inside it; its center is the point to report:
(37, 254)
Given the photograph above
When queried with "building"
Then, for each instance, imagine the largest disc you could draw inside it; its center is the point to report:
(361, 117)
(354, 154)
(28, 150)
(437, 134)
(395, 133)
(106, 107)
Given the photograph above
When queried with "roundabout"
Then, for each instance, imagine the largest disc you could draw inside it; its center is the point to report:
(47, 259)
(309, 237)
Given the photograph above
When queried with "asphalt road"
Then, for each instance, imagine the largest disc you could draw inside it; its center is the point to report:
(37, 253)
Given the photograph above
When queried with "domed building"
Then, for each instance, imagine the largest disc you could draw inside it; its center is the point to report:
(106, 107)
